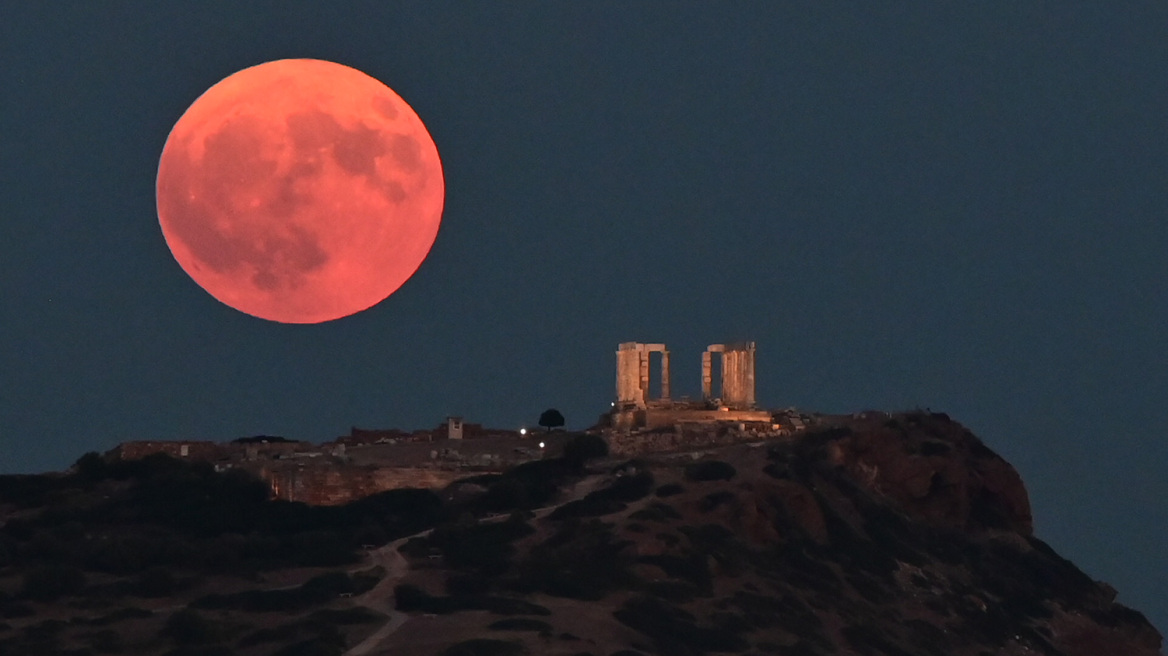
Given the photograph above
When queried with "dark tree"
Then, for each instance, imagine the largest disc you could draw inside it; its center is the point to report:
(584, 448)
(551, 418)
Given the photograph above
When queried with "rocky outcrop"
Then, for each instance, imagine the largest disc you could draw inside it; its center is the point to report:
(900, 535)
(934, 469)
(339, 484)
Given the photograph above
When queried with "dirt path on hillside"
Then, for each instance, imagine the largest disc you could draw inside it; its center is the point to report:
(396, 567)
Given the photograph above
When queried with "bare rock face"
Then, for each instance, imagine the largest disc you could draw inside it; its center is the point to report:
(935, 470)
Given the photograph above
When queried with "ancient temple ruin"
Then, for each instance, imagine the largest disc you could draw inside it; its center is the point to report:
(737, 390)
(636, 408)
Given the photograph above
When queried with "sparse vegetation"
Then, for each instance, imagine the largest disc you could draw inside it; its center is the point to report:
(51, 582)
(485, 647)
(519, 624)
(316, 591)
(656, 512)
(676, 631)
(777, 552)
(582, 560)
(710, 470)
(608, 500)
(582, 448)
(410, 598)
(715, 499)
(190, 627)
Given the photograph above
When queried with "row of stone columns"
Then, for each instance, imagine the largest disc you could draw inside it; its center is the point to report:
(632, 373)
(737, 375)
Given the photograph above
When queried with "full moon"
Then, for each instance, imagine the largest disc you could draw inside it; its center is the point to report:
(300, 191)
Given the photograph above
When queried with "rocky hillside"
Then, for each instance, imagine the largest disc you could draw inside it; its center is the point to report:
(899, 535)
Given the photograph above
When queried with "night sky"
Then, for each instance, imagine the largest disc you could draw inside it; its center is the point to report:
(954, 206)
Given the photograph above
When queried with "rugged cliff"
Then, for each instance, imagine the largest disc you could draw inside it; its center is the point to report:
(900, 535)
(896, 535)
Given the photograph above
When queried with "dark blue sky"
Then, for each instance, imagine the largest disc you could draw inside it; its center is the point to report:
(943, 205)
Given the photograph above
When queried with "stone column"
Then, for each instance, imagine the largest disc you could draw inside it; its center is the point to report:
(644, 372)
(730, 388)
(748, 376)
(628, 374)
(738, 375)
(707, 376)
(665, 375)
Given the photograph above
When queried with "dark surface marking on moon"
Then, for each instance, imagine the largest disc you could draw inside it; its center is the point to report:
(286, 198)
(233, 158)
(357, 150)
(405, 151)
(284, 259)
(385, 106)
(391, 190)
(226, 237)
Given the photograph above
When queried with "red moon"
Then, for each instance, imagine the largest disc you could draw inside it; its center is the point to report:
(300, 191)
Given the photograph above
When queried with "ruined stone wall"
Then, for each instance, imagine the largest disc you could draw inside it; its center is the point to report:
(202, 451)
(339, 484)
(689, 436)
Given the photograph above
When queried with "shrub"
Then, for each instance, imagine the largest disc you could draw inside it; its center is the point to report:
(541, 478)
(52, 582)
(120, 615)
(480, 547)
(583, 560)
(467, 584)
(189, 627)
(355, 615)
(674, 630)
(91, 468)
(583, 448)
(656, 512)
(106, 641)
(485, 647)
(409, 598)
(204, 650)
(504, 495)
(693, 568)
(715, 499)
(520, 624)
(324, 645)
(710, 470)
(155, 582)
(15, 610)
(589, 506)
(628, 488)
(679, 591)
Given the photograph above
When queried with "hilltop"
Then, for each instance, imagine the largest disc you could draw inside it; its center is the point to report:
(899, 535)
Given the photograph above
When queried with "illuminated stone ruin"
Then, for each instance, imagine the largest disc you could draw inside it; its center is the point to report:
(635, 408)
(632, 373)
(737, 374)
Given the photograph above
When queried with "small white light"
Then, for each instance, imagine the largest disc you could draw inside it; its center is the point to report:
(541, 445)
(612, 403)
(523, 431)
